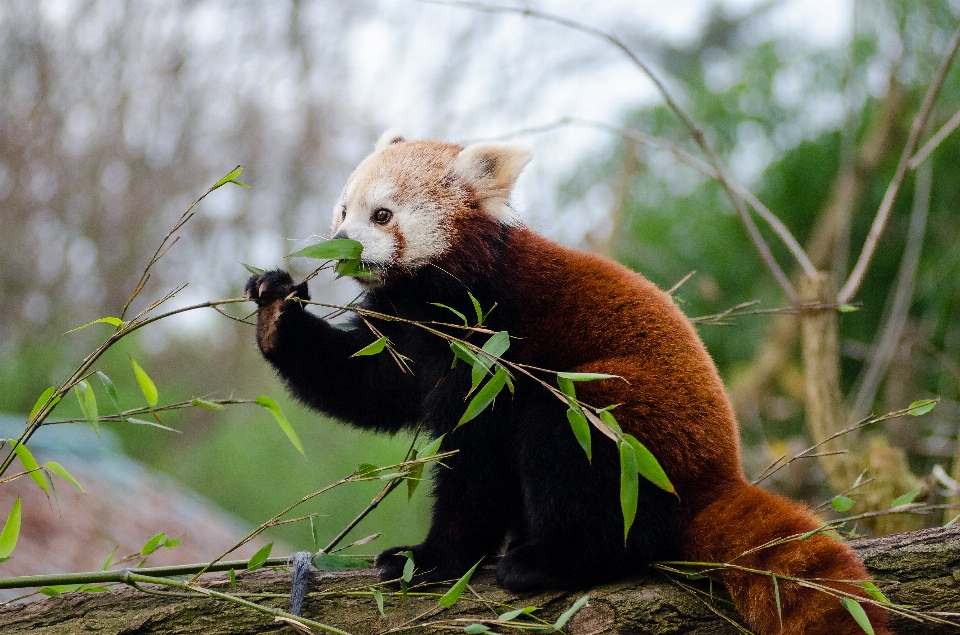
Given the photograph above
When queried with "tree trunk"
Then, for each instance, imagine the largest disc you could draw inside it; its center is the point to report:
(921, 569)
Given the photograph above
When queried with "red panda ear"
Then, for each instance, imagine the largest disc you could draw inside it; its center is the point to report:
(388, 138)
(492, 169)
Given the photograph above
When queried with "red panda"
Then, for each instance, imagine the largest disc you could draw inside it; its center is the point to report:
(435, 225)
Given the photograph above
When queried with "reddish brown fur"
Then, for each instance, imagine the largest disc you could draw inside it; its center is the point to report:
(676, 405)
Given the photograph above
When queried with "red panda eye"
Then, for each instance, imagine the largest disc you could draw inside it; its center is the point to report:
(382, 216)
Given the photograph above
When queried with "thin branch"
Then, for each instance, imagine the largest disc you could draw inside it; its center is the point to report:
(935, 141)
(698, 136)
(898, 309)
(879, 222)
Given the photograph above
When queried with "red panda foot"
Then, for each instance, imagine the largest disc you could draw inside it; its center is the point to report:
(525, 568)
(429, 565)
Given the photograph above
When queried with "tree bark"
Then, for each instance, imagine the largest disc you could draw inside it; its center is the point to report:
(920, 569)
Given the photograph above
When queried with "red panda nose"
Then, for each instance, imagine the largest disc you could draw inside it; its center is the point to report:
(341, 234)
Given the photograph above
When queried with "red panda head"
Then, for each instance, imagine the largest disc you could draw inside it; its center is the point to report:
(408, 201)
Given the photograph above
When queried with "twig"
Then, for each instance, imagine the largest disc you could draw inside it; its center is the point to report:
(698, 136)
(935, 141)
(898, 308)
(879, 222)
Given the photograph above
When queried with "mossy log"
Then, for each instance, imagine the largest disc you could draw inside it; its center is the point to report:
(920, 569)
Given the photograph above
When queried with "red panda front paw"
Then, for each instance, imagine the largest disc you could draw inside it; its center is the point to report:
(270, 286)
(429, 565)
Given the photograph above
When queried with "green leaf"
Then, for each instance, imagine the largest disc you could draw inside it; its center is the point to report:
(333, 249)
(274, 408)
(111, 390)
(372, 349)
(567, 387)
(414, 477)
(906, 498)
(88, 404)
(109, 561)
(30, 463)
(143, 422)
(629, 486)
(648, 466)
(512, 615)
(352, 268)
(847, 308)
(607, 417)
(41, 402)
(842, 503)
(565, 617)
(147, 386)
(367, 469)
(498, 344)
(209, 405)
(153, 544)
(776, 595)
(476, 308)
(460, 315)
(922, 406)
(378, 598)
(60, 471)
(230, 178)
(408, 566)
(476, 629)
(104, 320)
(10, 532)
(450, 597)
(334, 562)
(254, 270)
(431, 449)
(232, 575)
(874, 592)
(258, 559)
(484, 396)
(858, 614)
(587, 376)
(462, 352)
(581, 429)
(170, 543)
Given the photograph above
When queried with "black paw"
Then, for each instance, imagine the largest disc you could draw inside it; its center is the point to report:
(271, 286)
(527, 568)
(429, 565)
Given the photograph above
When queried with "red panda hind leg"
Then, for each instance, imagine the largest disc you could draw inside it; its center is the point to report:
(731, 529)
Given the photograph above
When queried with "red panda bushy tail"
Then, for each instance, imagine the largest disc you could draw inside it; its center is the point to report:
(731, 529)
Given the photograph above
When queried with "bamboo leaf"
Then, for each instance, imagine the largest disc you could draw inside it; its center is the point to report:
(373, 348)
(60, 471)
(254, 270)
(30, 464)
(153, 544)
(333, 249)
(378, 598)
(476, 629)
(858, 614)
(431, 449)
(567, 387)
(922, 406)
(143, 422)
(408, 566)
(111, 390)
(581, 429)
(104, 320)
(335, 562)
(512, 615)
(230, 178)
(274, 408)
(41, 402)
(147, 387)
(476, 307)
(414, 476)
(607, 417)
(648, 466)
(842, 503)
(776, 595)
(258, 559)
(315, 534)
(450, 597)
(463, 318)
(906, 498)
(209, 405)
(232, 575)
(81, 390)
(874, 592)
(10, 532)
(629, 486)
(484, 396)
(587, 376)
(498, 344)
(109, 561)
(566, 615)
